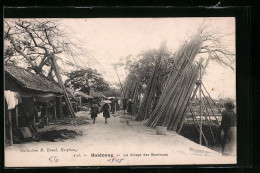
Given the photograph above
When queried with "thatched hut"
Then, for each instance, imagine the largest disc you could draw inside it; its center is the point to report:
(35, 92)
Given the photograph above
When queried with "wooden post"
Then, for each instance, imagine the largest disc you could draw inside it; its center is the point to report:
(59, 107)
(34, 120)
(54, 108)
(57, 73)
(200, 107)
(16, 116)
(120, 84)
(190, 100)
(47, 119)
(10, 127)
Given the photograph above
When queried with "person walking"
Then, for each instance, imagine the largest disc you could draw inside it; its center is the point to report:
(117, 105)
(130, 107)
(228, 125)
(94, 111)
(105, 110)
(113, 106)
(125, 104)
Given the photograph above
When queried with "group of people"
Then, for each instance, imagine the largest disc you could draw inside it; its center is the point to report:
(128, 105)
(113, 106)
(95, 110)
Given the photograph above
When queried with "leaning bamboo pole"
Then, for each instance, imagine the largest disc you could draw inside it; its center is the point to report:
(188, 104)
(58, 75)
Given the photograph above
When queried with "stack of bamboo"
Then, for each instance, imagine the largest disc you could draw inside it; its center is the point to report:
(171, 107)
(151, 92)
(133, 90)
(136, 96)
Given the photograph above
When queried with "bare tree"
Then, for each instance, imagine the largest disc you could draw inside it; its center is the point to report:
(215, 45)
(34, 41)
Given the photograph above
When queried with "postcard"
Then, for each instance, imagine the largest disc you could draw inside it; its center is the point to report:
(120, 91)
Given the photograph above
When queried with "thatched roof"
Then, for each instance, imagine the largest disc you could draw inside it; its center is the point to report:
(30, 80)
(96, 94)
(81, 94)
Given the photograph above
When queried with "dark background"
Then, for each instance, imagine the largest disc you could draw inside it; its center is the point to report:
(247, 36)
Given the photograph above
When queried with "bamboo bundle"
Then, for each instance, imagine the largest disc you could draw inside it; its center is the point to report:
(150, 92)
(127, 86)
(148, 97)
(172, 104)
(136, 97)
(132, 88)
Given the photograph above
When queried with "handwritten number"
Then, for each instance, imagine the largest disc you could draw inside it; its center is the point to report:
(111, 160)
(53, 159)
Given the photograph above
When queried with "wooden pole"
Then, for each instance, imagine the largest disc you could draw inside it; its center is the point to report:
(190, 100)
(54, 108)
(200, 107)
(210, 97)
(210, 108)
(57, 73)
(120, 83)
(16, 116)
(46, 114)
(10, 127)
(194, 118)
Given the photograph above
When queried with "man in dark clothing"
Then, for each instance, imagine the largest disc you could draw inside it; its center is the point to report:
(124, 104)
(117, 105)
(113, 106)
(130, 107)
(105, 110)
(228, 123)
(94, 111)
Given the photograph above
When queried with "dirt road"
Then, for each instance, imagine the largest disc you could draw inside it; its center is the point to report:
(128, 143)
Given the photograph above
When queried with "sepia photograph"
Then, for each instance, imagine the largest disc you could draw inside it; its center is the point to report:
(119, 91)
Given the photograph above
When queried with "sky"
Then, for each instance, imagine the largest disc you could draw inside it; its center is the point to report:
(109, 40)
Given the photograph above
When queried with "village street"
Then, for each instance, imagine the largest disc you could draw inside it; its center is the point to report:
(130, 143)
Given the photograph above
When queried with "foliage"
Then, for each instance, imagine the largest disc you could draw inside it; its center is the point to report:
(86, 80)
(142, 67)
(113, 92)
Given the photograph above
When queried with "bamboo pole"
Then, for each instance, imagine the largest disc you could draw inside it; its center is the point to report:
(46, 114)
(192, 97)
(120, 83)
(205, 139)
(213, 137)
(183, 104)
(16, 116)
(211, 98)
(200, 108)
(54, 108)
(211, 108)
(10, 127)
(197, 121)
(57, 73)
